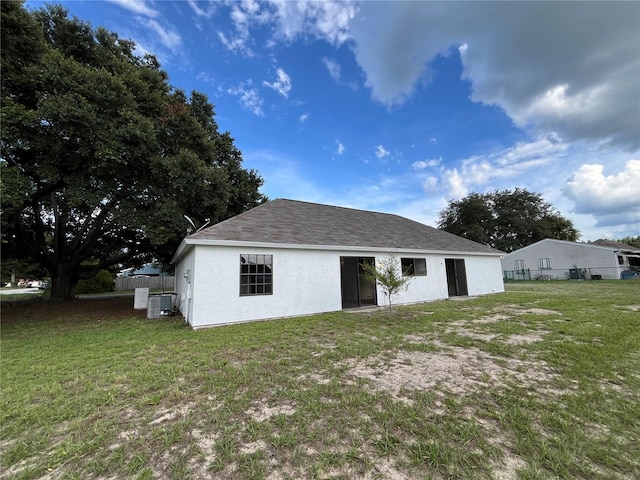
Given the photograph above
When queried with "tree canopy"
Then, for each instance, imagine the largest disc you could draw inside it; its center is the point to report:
(506, 220)
(101, 157)
(632, 241)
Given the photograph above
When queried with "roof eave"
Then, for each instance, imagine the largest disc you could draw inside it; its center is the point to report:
(187, 242)
(181, 250)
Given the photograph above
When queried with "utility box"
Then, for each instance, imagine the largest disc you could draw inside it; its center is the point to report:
(141, 298)
(575, 274)
(167, 304)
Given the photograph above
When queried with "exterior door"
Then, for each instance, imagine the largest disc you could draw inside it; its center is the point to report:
(456, 277)
(356, 289)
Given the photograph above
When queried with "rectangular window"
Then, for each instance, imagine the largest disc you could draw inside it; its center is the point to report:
(256, 275)
(620, 260)
(413, 267)
(519, 265)
(544, 263)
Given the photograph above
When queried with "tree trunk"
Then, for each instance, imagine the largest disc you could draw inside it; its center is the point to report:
(63, 284)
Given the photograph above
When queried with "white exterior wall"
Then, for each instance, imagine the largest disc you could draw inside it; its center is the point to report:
(484, 275)
(305, 281)
(432, 286)
(184, 286)
(564, 256)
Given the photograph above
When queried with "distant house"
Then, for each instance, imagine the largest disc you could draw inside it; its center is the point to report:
(559, 259)
(147, 270)
(288, 258)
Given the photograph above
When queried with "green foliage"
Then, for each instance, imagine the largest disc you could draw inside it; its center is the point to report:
(21, 268)
(388, 275)
(101, 283)
(102, 157)
(506, 220)
(632, 241)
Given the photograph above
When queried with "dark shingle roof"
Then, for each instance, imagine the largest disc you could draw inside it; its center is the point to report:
(612, 244)
(302, 223)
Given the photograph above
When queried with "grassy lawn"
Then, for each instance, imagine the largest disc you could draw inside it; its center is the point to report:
(542, 381)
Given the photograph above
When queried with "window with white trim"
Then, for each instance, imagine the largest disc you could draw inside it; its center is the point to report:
(544, 263)
(519, 265)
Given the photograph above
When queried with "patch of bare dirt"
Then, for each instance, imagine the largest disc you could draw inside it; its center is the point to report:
(253, 447)
(316, 378)
(385, 468)
(509, 467)
(518, 310)
(166, 414)
(518, 339)
(459, 370)
(261, 413)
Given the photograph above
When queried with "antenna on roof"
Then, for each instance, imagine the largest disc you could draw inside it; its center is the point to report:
(196, 230)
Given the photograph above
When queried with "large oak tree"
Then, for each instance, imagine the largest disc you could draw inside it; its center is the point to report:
(101, 157)
(506, 220)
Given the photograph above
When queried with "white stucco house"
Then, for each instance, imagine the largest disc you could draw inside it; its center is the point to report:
(289, 258)
(551, 259)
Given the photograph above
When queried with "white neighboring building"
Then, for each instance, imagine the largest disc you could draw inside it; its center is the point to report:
(551, 259)
(288, 258)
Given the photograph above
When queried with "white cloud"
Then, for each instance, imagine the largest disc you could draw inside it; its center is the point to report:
(340, 147)
(243, 15)
(169, 38)
(304, 117)
(481, 172)
(422, 164)
(249, 97)
(430, 184)
(392, 44)
(574, 69)
(237, 44)
(282, 85)
(455, 184)
(333, 68)
(139, 7)
(381, 152)
(606, 196)
(326, 19)
(206, 12)
(335, 72)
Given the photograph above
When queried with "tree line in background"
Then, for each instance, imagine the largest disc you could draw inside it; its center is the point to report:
(505, 220)
(101, 156)
(632, 241)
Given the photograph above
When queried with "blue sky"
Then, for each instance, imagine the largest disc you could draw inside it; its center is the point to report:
(401, 107)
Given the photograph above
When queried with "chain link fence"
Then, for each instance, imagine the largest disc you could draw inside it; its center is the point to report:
(589, 273)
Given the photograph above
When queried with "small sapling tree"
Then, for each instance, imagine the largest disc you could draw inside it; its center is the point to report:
(388, 275)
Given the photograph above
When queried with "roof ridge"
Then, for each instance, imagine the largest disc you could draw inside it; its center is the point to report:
(360, 210)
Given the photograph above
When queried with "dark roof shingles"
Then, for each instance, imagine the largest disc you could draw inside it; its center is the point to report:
(303, 223)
